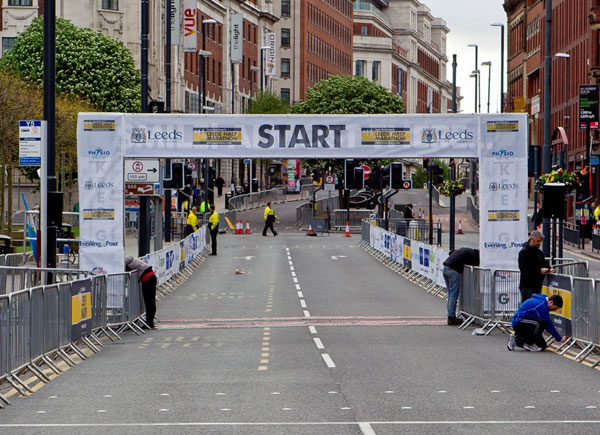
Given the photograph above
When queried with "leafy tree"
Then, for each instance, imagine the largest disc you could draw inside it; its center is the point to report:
(90, 65)
(268, 103)
(347, 95)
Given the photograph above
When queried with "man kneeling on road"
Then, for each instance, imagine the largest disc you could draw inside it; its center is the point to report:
(453, 269)
(530, 320)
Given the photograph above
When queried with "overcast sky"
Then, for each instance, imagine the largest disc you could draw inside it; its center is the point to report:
(469, 23)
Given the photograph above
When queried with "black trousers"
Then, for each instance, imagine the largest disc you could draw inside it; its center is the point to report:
(529, 331)
(269, 224)
(188, 230)
(149, 294)
(213, 239)
(527, 293)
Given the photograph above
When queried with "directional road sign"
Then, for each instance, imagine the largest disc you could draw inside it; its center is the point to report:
(139, 189)
(142, 170)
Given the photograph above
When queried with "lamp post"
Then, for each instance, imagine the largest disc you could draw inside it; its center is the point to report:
(567, 58)
(203, 53)
(262, 66)
(501, 64)
(476, 78)
(489, 65)
(253, 69)
(472, 163)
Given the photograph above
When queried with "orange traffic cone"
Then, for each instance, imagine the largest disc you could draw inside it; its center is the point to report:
(248, 227)
(460, 231)
(238, 227)
(347, 234)
(310, 231)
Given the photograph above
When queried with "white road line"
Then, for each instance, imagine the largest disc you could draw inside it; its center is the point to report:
(328, 360)
(366, 429)
(292, 268)
(291, 264)
(293, 273)
(312, 329)
(306, 313)
(295, 280)
(297, 286)
(318, 343)
(300, 295)
(302, 303)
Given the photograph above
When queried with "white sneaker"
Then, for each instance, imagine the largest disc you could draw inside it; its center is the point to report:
(532, 348)
(512, 342)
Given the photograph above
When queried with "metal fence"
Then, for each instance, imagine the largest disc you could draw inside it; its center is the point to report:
(22, 277)
(323, 205)
(258, 199)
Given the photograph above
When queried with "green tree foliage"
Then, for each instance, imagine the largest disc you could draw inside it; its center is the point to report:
(347, 95)
(89, 65)
(419, 178)
(268, 103)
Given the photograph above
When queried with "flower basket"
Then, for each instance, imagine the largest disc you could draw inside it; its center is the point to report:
(570, 179)
(451, 188)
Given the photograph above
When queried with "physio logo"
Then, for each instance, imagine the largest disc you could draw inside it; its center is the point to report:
(141, 135)
(430, 136)
(503, 154)
(99, 153)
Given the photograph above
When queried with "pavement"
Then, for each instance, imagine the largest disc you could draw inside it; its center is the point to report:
(308, 335)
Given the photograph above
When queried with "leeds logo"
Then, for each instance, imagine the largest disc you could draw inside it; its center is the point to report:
(429, 135)
(138, 135)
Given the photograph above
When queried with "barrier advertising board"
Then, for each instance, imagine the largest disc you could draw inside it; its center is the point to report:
(81, 308)
(560, 285)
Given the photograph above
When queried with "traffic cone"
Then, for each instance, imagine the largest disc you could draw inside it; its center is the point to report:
(239, 227)
(248, 227)
(310, 231)
(459, 231)
(347, 234)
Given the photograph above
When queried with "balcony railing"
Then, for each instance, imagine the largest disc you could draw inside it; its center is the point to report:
(368, 6)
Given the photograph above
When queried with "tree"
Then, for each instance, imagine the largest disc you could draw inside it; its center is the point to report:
(90, 65)
(268, 103)
(347, 95)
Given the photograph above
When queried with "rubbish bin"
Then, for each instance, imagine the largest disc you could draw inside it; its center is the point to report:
(5, 242)
(227, 199)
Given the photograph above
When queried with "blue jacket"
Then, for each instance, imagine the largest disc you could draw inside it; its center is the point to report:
(536, 308)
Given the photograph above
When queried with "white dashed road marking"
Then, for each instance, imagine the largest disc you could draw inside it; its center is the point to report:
(366, 429)
(318, 343)
(328, 360)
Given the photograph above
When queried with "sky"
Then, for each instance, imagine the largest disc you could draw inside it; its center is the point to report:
(470, 22)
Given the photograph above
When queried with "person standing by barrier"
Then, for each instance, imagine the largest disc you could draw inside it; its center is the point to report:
(148, 280)
(270, 219)
(533, 266)
(219, 182)
(408, 212)
(191, 222)
(530, 321)
(213, 221)
(453, 269)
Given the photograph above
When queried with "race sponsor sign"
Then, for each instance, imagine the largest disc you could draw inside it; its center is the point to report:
(81, 308)
(561, 285)
(190, 26)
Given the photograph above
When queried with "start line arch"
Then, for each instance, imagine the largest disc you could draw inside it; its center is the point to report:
(104, 140)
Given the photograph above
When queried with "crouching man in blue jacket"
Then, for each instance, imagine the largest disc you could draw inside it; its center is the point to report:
(530, 321)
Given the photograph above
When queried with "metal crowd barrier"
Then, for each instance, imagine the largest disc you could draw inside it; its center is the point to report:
(572, 268)
(258, 199)
(18, 278)
(365, 231)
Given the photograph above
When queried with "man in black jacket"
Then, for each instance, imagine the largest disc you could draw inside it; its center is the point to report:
(453, 269)
(533, 266)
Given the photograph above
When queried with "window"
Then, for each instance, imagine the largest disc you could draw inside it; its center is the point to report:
(285, 8)
(285, 95)
(285, 37)
(110, 4)
(360, 68)
(7, 44)
(187, 102)
(20, 2)
(285, 67)
(375, 70)
(364, 30)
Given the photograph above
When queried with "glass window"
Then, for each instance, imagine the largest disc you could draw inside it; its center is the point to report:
(285, 95)
(360, 68)
(364, 30)
(110, 4)
(285, 67)
(7, 44)
(20, 2)
(375, 70)
(285, 37)
(285, 8)
(187, 102)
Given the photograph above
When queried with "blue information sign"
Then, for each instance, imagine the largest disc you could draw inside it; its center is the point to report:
(30, 143)
(594, 160)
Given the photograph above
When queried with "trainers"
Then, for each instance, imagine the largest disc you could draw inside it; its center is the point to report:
(454, 321)
(532, 348)
(512, 342)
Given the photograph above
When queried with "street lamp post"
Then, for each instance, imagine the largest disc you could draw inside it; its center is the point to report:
(489, 65)
(253, 69)
(567, 58)
(472, 163)
(202, 68)
(262, 66)
(501, 65)
(476, 78)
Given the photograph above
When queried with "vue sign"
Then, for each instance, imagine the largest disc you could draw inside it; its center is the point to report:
(190, 24)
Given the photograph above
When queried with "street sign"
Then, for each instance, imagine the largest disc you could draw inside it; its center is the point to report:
(30, 143)
(329, 182)
(595, 160)
(142, 170)
(247, 161)
(145, 189)
(589, 97)
(191, 166)
(367, 171)
(407, 184)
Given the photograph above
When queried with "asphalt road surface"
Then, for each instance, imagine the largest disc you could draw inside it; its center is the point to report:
(310, 336)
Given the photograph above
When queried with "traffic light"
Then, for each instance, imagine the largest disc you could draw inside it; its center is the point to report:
(437, 176)
(425, 164)
(396, 175)
(349, 166)
(177, 177)
(358, 181)
(188, 176)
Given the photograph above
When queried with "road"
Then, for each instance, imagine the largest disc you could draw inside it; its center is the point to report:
(307, 335)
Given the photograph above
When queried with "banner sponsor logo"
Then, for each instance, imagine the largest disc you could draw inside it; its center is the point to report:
(502, 126)
(502, 245)
(190, 24)
(503, 154)
(324, 136)
(503, 215)
(100, 125)
(99, 270)
(385, 136)
(98, 244)
(90, 185)
(139, 135)
(271, 67)
(99, 153)
(98, 214)
(237, 36)
(217, 136)
(496, 187)
(430, 136)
